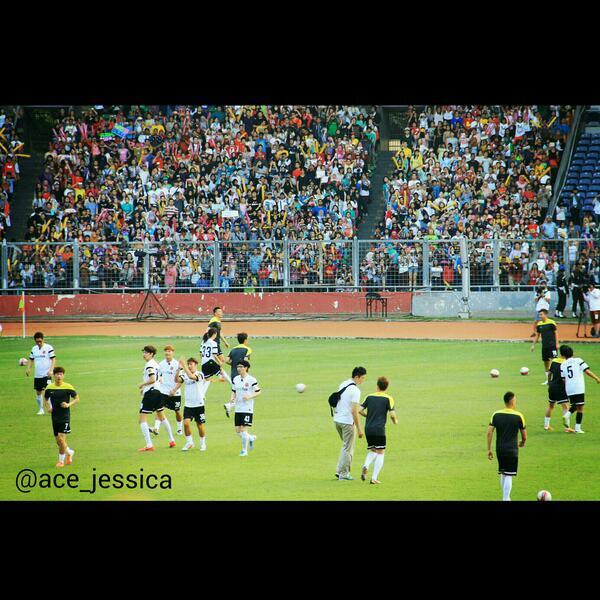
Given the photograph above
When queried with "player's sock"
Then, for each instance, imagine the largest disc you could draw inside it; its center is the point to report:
(40, 402)
(245, 440)
(61, 457)
(189, 439)
(371, 456)
(156, 424)
(507, 487)
(502, 478)
(546, 421)
(202, 442)
(71, 452)
(378, 466)
(179, 427)
(167, 426)
(146, 432)
(226, 376)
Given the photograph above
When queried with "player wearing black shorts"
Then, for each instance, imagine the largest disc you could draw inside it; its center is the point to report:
(546, 329)
(375, 408)
(58, 399)
(43, 359)
(152, 399)
(507, 423)
(244, 389)
(556, 393)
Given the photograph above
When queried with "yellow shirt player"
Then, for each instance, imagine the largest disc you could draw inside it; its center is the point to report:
(216, 322)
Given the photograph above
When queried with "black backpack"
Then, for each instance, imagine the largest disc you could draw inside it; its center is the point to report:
(335, 397)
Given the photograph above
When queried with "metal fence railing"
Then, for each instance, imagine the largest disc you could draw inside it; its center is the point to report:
(276, 265)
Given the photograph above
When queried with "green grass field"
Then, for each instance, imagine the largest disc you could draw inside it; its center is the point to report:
(444, 398)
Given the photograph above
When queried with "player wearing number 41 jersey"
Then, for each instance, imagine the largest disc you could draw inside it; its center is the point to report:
(244, 389)
(572, 371)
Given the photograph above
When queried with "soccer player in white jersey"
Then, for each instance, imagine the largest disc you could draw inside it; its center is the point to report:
(152, 399)
(194, 401)
(572, 371)
(42, 355)
(212, 360)
(168, 370)
(244, 389)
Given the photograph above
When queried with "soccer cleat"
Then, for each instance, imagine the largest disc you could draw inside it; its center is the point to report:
(337, 475)
(569, 430)
(180, 432)
(188, 446)
(347, 476)
(153, 431)
(579, 431)
(363, 473)
(59, 464)
(375, 481)
(544, 382)
(252, 440)
(172, 444)
(243, 453)
(40, 412)
(70, 457)
(146, 449)
(548, 428)
(226, 407)
(203, 448)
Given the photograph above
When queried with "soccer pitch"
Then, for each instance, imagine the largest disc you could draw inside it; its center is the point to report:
(444, 399)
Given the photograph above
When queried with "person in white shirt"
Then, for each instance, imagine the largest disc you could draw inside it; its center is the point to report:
(168, 369)
(152, 400)
(195, 387)
(44, 358)
(244, 389)
(593, 299)
(346, 419)
(212, 360)
(572, 371)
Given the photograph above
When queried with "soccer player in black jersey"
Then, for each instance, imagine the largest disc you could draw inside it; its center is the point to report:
(556, 394)
(507, 423)
(546, 328)
(59, 396)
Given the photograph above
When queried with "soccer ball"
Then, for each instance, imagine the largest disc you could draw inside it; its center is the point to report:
(524, 371)
(544, 496)
(22, 362)
(494, 373)
(300, 387)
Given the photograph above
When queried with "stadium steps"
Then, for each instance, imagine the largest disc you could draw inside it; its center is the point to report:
(383, 168)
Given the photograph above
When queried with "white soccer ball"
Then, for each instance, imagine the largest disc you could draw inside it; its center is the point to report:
(300, 387)
(494, 373)
(524, 371)
(544, 496)
(22, 362)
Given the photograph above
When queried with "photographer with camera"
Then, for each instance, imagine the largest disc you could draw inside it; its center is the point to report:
(542, 302)
(592, 297)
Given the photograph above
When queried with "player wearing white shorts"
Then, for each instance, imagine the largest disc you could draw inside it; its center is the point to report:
(572, 371)
(44, 358)
(194, 410)
(168, 370)
(243, 391)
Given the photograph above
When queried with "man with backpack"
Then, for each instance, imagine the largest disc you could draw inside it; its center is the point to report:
(345, 416)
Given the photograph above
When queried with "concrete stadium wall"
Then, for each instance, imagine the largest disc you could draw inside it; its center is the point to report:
(199, 304)
(481, 304)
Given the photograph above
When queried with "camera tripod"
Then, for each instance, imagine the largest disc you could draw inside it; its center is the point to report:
(582, 316)
(146, 308)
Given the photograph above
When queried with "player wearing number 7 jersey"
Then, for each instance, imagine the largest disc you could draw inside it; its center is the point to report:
(572, 371)
(244, 389)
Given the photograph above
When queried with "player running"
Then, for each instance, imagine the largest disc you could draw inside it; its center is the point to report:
(212, 360)
(507, 423)
(244, 389)
(58, 399)
(375, 408)
(240, 352)
(42, 355)
(194, 401)
(168, 369)
(546, 328)
(556, 393)
(151, 399)
(572, 371)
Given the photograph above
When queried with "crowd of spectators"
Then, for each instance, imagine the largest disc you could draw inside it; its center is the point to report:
(11, 120)
(177, 178)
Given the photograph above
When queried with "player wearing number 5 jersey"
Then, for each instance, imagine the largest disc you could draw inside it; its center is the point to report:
(572, 371)
(244, 389)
